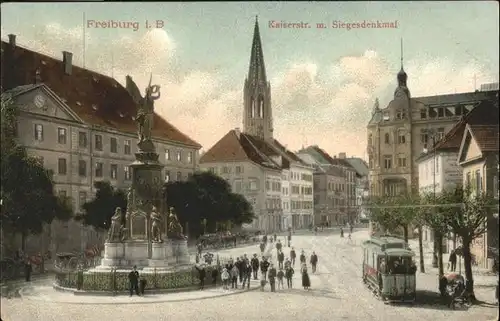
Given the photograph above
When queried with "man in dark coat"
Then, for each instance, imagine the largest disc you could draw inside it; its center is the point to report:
(264, 266)
(453, 261)
(255, 266)
(281, 259)
(28, 269)
(215, 274)
(272, 278)
(133, 279)
(293, 255)
(288, 275)
(239, 264)
(247, 274)
(314, 261)
(202, 273)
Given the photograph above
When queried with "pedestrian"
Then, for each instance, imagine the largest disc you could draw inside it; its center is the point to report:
(351, 228)
(215, 273)
(289, 239)
(262, 282)
(262, 248)
(314, 261)
(289, 274)
(133, 279)
(302, 257)
(234, 277)
(278, 246)
(272, 278)
(315, 230)
(275, 237)
(281, 275)
(247, 275)
(293, 255)
(142, 286)
(288, 263)
(264, 266)
(306, 282)
(255, 266)
(225, 278)
(202, 273)
(239, 264)
(199, 247)
(341, 232)
(452, 264)
(349, 239)
(281, 258)
(28, 269)
(264, 239)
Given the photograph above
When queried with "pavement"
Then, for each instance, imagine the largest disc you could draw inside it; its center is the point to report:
(337, 293)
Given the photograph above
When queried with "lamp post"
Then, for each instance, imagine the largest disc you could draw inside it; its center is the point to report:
(432, 135)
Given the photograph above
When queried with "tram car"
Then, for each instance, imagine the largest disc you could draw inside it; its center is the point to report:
(389, 269)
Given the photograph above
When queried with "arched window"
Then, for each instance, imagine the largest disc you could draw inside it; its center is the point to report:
(387, 138)
(261, 107)
(252, 107)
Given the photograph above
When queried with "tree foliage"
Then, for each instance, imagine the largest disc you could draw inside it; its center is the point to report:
(98, 212)
(206, 196)
(28, 199)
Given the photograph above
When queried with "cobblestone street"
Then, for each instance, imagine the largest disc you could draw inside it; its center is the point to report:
(337, 294)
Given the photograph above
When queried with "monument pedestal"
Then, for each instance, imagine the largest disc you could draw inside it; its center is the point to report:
(160, 252)
(180, 252)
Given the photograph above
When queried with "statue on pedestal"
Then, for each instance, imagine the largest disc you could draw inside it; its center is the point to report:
(115, 233)
(174, 226)
(145, 112)
(155, 226)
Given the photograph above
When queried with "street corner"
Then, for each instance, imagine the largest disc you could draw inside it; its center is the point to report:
(47, 294)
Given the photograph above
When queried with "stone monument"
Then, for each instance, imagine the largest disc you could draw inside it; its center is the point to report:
(141, 237)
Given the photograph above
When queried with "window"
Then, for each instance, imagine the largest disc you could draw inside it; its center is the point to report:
(479, 182)
(239, 170)
(179, 176)
(370, 140)
(387, 162)
(167, 154)
(401, 161)
(253, 185)
(495, 187)
(82, 139)
(61, 135)
(99, 169)
(190, 157)
(167, 176)
(61, 166)
(401, 137)
(237, 186)
(268, 186)
(114, 171)
(82, 199)
(440, 133)
(62, 194)
(82, 168)
(424, 136)
(468, 179)
(387, 139)
(179, 156)
(39, 132)
(127, 147)
(114, 145)
(423, 114)
(440, 112)
(400, 114)
(127, 172)
(385, 117)
(98, 142)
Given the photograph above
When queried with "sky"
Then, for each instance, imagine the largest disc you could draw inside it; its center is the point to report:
(323, 81)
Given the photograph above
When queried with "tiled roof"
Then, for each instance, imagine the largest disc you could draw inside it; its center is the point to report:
(288, 153)
(97, 99)
(486, 136)
(359, 165)
(453, 99)
(234, 147)
(485, 113)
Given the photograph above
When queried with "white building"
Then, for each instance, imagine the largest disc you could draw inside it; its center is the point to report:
(264, 160)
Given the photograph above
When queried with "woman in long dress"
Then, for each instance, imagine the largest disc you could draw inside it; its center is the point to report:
(306, 282)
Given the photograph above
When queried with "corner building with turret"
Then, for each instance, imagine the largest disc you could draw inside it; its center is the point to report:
(277, 183)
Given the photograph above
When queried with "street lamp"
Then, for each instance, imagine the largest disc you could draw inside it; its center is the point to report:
(432, 135)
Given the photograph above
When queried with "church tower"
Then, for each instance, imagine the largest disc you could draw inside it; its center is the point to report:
(257, 113)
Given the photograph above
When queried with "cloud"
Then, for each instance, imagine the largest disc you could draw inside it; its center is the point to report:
(328, 105)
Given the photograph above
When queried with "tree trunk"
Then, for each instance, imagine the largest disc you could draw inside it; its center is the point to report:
(434, 252)
(405, 233)
(469, 279)
(421, 250)
(439, 243)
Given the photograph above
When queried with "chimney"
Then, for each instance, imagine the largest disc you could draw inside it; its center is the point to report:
(12, 40)
(67, 62)
(342, 155)
(237, 132)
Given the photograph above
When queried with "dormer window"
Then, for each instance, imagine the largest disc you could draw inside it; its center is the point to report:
(94, 106)
(385, 117)
(78, 103)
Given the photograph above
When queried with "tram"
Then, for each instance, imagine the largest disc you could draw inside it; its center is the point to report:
(389, 269)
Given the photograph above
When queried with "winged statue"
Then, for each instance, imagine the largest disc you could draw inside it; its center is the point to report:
(145, 110)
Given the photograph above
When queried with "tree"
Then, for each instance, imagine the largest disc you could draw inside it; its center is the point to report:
(98, 212)
(466, 213)
(206, 197)
(28, 199)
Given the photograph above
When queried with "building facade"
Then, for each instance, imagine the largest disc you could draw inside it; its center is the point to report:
(478, 156)
(361, 185)
(285, 199)
(83, 131)
(399, 133)
(257, 146)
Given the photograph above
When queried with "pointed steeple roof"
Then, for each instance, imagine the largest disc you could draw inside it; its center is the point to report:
(402, 76)
(257, 69)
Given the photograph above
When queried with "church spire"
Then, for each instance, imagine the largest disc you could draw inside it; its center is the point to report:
(257, 69)
(402, 76)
